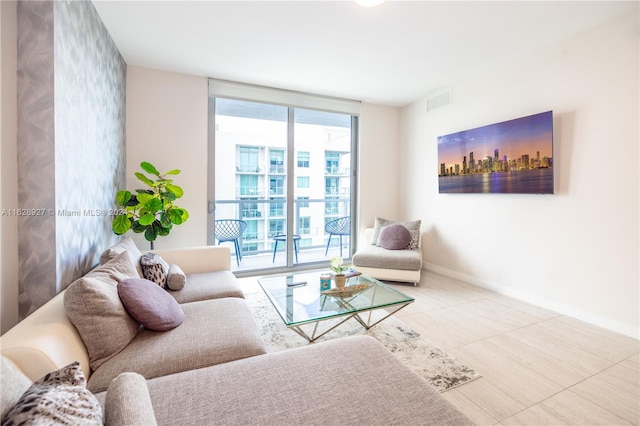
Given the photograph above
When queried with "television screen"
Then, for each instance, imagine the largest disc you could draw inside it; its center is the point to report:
(512, 157)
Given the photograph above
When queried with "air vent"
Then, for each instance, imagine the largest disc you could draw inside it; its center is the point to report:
(439, 100)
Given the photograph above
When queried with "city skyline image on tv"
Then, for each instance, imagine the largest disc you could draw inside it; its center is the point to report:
(514, 156)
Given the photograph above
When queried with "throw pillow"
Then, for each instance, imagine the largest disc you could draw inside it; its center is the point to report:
(176, 279)
(150, 305)
(415, 240)
(93, 306)
(128, 402)
(14, 384)
(154, 268)
(126, 244)
(412, 225)
(60, 397)
(394, 237)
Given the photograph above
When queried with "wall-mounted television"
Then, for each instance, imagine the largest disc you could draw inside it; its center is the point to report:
(512, 157)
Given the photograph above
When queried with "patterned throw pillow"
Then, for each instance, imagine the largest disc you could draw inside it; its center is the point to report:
(155, 269)
(415, 240)
(60, 397)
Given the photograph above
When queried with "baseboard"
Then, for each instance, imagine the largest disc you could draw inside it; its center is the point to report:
(560, 308)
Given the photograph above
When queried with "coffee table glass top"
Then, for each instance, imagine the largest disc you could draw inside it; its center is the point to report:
(305, 304)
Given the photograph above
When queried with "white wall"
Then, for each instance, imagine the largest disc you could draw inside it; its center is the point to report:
(577, 251)
(167, 126)
(378, 164)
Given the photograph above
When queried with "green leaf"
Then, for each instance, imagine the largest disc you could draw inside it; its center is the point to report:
(168, 196)
(147, 218)
(142, 178)
(173, 172)
(153, 205)
(165, 219)
(178, 216)
(163, 231)
(121, 224)
(150, 234)
(122, 197)
(137, 228)
(149, 168)
(176, 190)
(143, 198)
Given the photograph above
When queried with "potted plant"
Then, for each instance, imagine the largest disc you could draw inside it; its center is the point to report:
(338, 267)
(151, 210)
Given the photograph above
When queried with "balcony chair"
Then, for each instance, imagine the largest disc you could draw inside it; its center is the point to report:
(340, 227)
(230, 230)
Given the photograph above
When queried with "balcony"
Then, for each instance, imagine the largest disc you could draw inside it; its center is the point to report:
(258, 248)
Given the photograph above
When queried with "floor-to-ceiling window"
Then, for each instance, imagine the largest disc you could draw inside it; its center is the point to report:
(280, 173)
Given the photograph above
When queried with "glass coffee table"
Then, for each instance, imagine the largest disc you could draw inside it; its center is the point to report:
(300, 301)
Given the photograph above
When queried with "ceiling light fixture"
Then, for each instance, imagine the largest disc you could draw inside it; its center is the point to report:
(369, 3)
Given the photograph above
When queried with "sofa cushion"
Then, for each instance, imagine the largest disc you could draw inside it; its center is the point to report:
(176, 279)
(311, 385)
(394, 237)
(150, 305)
(213, 332)
(60, 397)
(14, 384)
(207, 286)
(377, 257)
(412, 225)
(127, 402)
(126, 244)
(154, 268)
(94, 307)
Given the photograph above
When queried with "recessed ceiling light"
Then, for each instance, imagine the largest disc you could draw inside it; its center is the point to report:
(369, 3)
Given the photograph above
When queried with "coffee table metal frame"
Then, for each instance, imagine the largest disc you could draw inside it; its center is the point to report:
(316, 307)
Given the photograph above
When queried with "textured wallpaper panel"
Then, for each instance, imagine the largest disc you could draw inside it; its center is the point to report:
(36, 169)
(90, 136)
(71, 143)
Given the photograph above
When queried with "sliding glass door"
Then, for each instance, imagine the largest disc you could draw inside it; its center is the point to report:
(282, 180)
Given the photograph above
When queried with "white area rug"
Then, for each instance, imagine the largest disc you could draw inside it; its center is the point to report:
(440, 369)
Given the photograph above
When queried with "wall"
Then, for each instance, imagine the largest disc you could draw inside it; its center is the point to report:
(70, 91)
(167, 126)
(378, 157)
(9, 167)
(577, 251)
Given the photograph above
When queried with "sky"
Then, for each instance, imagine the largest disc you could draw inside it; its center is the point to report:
(513, 138)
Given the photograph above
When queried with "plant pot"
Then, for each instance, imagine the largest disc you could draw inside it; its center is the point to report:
(340, 280)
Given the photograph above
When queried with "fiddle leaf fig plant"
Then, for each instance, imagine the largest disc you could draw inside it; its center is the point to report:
(150, 210)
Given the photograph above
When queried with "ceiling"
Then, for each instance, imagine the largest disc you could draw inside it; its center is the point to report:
(393, 55)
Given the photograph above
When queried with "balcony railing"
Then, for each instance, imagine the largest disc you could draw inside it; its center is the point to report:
(260, 212)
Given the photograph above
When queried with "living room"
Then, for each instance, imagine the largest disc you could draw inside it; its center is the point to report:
(575, 252)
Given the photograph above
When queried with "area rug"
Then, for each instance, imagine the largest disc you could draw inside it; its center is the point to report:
(440, 369)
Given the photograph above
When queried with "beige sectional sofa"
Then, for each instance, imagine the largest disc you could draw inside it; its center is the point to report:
(212, 368)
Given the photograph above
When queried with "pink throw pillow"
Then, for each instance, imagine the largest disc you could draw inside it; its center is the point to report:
(394, 237)
(149, 304)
